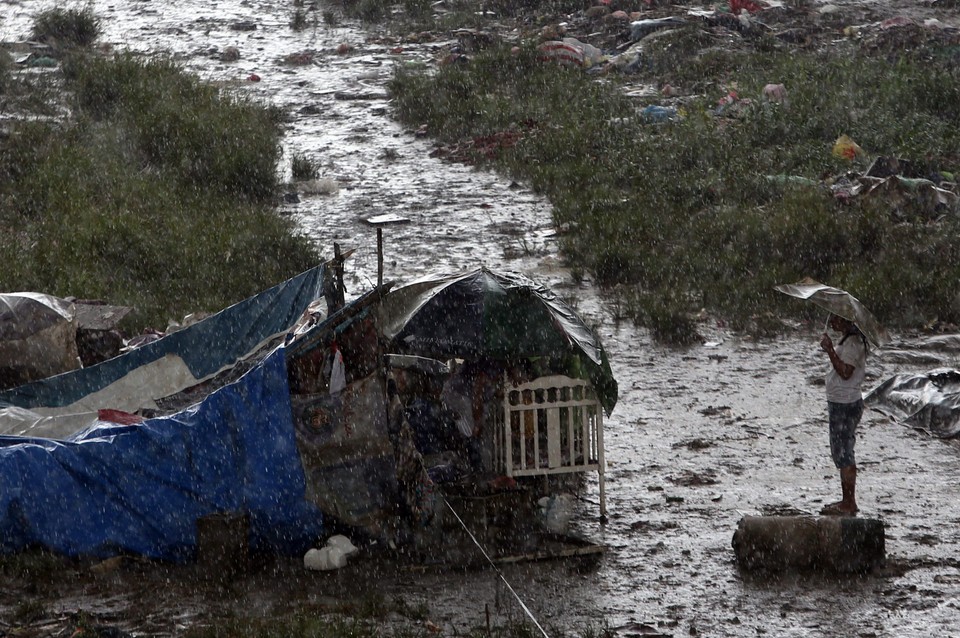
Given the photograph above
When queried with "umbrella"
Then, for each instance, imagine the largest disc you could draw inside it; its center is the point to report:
(493, 315)
(840, 303)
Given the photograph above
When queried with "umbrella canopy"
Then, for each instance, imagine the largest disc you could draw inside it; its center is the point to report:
(840, 303)
(493, 315)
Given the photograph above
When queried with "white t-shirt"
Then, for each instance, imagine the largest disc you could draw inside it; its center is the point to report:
(840, 390)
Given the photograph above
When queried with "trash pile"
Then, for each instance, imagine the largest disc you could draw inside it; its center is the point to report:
(906, 191)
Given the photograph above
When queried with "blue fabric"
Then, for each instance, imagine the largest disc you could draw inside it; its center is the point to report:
(141, 488)
(206, 347)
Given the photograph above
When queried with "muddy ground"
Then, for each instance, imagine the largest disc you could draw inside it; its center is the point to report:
(700, 437)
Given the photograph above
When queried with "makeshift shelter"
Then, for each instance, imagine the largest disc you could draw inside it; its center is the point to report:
(291, 418)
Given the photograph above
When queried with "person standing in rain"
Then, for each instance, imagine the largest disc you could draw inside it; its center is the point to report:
(844, 379)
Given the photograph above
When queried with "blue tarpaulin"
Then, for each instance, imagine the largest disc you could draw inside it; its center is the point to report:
(140, 488)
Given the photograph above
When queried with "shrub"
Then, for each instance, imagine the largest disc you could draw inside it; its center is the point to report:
(166, 205)
(303, 168)
(66, 27)
(213, 140)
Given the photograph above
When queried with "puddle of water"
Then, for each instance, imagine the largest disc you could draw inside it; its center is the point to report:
(670, 565)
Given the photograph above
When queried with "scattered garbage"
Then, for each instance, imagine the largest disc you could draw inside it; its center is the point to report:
(846, 148)
(592, 56)
(40, 61)
(642, 28)
(561, 53)
(299, 58)
(793, 180)
(320, 186)
(629, 61)
(344, 543)
(324, 559)
(894, 183)
(333, 555)
(750, 6)
(655, 114)
(776, 93)
(731, 104)
(37, 337)
(617, 16)
(230, 54)
(98, 338)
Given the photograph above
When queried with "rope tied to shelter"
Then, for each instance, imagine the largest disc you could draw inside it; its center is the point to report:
(496, 569)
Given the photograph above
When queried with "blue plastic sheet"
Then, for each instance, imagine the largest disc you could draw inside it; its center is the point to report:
(140, 489)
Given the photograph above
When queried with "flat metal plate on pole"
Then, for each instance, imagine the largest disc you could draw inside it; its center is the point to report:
(388, 218)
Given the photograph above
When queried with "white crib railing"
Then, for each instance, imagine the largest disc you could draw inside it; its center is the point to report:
(551, 425)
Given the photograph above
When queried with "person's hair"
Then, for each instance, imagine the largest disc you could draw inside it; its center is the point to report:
(854, 329)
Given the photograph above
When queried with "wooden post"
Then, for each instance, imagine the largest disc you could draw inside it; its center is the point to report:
(340, 289)
(379, 221)
(379, 256)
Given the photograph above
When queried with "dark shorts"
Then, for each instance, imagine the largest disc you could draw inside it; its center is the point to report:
(844, 418)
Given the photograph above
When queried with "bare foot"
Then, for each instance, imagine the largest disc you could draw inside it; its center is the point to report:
(839, 509)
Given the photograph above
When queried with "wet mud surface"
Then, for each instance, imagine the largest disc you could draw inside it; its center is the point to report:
(700, 437)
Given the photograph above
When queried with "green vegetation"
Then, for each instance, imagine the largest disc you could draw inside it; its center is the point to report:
(415, 13)
(157, 193)
(421, 15)
(66, 28)
(703, 211)
(302, 167)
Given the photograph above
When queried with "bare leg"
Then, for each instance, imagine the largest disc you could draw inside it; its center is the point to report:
(848, 487)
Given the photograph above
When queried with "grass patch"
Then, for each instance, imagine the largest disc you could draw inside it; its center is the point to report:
(303, 168)
(158, 193)
(704, 211)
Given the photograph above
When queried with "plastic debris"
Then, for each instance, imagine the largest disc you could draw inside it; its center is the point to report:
(642, 28)
(775, 93)
(655, 114)
(591, 54)
(562, 53)
(846, 148)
